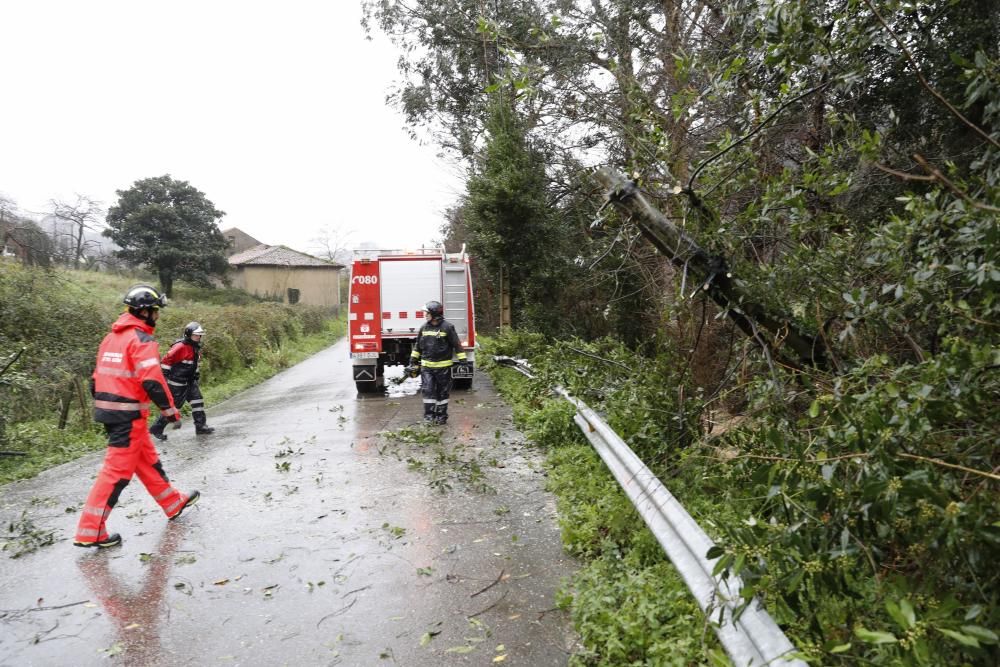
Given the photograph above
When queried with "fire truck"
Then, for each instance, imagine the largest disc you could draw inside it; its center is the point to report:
(388, 291)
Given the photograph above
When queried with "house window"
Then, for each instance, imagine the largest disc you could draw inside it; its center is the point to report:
(232, 241)
(293, 295)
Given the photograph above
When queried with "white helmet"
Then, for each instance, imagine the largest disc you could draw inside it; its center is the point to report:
(193, 329)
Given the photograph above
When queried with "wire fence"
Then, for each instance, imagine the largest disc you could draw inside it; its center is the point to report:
(746, 631)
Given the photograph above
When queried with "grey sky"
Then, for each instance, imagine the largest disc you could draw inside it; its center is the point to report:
(273, 109)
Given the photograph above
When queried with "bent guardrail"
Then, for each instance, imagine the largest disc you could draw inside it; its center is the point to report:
(750, 637)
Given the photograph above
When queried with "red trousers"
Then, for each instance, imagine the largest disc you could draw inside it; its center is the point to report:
(130, 452)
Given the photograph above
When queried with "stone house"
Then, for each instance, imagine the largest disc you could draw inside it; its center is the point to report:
(280, 273)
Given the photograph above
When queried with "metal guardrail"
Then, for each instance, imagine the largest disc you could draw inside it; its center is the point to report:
(752, 638)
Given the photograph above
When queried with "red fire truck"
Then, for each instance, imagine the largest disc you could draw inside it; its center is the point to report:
(388, 291)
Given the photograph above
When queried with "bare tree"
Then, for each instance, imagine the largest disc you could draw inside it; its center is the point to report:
(7, 216)
(23, 236)
(80, 216)
(332, 243)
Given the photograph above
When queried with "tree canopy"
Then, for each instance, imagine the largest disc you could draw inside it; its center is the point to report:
(842, 162)
(170, 227)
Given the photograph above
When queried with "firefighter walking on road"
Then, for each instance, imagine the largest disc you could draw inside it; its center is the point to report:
(180, 367)
(437, 342)
(126, 379)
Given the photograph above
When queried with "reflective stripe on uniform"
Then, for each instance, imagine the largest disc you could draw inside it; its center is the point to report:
(166, 492)
(96, 511)
(436, 364)
(429, 400)
(168, 412)
(197, 409)
(166, 367)
(177, 504)
(435, 333)
(146, 363)
(176, 384)
(117, 372)
(89, 532)
(444, 402)
(187, 361)
(114, 405)
(415, 354)
(461, 356)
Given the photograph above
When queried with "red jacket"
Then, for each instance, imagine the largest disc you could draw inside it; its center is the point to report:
(180, 363)
(128, 375)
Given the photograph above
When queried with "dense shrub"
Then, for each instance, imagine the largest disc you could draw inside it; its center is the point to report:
(58, 324)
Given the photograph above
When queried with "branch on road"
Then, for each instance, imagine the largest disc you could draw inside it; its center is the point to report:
(483, 611)
(497, 581)
(338, 612)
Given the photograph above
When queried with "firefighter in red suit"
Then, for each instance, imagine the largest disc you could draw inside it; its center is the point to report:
(127, 378)
(180, 367)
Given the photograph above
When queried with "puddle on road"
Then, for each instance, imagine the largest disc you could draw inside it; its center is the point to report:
(398, 385)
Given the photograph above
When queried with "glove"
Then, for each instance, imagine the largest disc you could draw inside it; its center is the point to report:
(413, 371)
(174, 418)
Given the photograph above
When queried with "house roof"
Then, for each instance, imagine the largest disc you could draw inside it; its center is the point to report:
(278, 255)
(236, 230)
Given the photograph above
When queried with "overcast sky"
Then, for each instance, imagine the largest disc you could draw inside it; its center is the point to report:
(275, 110)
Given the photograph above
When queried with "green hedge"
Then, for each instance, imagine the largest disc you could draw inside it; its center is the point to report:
(59, 318)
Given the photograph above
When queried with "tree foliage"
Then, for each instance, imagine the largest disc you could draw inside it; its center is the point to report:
(844, 160)
(508, 219)
(170, 227)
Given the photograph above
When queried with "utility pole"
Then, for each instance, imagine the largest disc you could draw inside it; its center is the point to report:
(775, 333)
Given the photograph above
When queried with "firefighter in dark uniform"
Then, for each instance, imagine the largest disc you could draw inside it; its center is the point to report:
(437, 342)
(126, 379)
(180, 367)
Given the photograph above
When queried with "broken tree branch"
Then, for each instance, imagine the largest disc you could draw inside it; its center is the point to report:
(497, 581)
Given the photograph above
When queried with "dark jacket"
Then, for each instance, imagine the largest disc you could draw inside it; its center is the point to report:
(436, 344)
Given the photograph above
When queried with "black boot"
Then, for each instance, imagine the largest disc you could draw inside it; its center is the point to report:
(203, 430)
(191, 500)
(112, 540)
(441, 417)
(156, 430)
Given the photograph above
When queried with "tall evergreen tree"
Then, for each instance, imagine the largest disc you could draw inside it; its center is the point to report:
(169, 226)
(509, 221)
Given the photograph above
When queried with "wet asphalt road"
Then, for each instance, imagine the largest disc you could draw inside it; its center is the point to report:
(333, 530)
